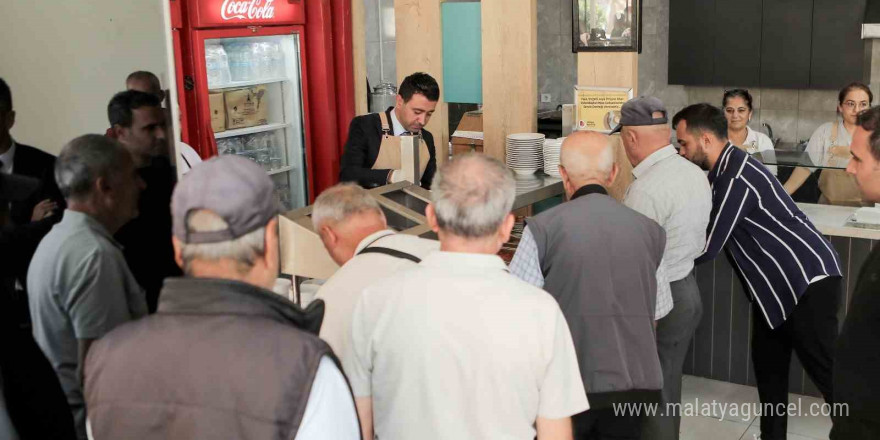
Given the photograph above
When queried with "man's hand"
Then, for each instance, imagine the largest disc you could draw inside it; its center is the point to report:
(43, 209)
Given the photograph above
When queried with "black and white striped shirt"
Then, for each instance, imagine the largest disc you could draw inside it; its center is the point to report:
(774, 246)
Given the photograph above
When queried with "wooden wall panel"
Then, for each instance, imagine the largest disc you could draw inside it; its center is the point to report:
(510, 71)
(420, 49)
(609, 69)
(359, 53)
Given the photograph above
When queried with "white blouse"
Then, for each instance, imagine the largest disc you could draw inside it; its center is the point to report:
(757, 142)
(821, 142)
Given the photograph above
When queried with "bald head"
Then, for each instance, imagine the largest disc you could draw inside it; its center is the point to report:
(587, 156)
(641, 141)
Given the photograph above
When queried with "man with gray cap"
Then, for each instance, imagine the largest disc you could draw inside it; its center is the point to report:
(456, 347)
(674, 192)
(223, 357)
(608, 296)
(79, 286)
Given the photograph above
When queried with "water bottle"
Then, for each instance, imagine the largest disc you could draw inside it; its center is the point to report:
(223, 64)
(211, 65)
(278, 60)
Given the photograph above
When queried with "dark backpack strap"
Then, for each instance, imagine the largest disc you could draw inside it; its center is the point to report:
(390, 252)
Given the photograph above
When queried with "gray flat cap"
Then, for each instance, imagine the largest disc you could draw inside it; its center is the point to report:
(639, 111)
(235, 188)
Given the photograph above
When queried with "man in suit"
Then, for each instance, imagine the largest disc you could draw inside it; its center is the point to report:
(35, 213)
(416, 100)
(30, 162)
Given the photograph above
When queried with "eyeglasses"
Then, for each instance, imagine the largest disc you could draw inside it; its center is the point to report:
(852, 104)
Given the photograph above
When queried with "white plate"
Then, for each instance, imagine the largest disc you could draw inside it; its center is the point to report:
(526, 136)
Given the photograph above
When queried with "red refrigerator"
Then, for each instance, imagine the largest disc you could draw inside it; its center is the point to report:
(252, 84)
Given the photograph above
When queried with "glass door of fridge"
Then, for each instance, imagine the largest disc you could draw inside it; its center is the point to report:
(256, 105)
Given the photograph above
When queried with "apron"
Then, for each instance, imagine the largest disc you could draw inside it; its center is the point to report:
(390, 150)
(838, 187)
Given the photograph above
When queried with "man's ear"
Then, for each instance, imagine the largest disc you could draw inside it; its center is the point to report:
(10, 119)
(178, 251)
(271, 244)
(117, 130)
(506, 227)
(431, 215)
(615, 170)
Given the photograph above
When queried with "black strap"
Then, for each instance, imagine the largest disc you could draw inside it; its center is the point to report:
(390, 252)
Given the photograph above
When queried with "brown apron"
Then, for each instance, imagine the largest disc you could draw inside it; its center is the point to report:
(390, 150)
(839, 187)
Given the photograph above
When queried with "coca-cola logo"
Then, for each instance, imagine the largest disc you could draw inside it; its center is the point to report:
(247, 10)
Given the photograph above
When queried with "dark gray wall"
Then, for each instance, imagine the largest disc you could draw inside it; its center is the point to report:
(721, 348)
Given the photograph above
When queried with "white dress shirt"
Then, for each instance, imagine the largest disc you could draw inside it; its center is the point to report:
(7, 158)
(330, 413)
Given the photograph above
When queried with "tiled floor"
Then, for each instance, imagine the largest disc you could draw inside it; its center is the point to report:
(727, 423)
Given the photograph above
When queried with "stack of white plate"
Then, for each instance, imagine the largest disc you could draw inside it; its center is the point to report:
(528, 182)
(524, 152)
(551, 156)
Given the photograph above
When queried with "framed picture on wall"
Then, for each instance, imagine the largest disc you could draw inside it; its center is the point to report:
(606, 25)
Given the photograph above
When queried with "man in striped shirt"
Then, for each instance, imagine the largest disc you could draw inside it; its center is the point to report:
(789, 270)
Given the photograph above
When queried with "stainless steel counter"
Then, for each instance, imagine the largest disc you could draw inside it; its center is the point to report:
(534, 188)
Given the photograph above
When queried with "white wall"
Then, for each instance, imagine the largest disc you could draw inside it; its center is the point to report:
(64, 60)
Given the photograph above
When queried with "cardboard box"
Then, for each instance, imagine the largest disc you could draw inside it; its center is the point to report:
(470, 122)
(218, 112)
(246, 107)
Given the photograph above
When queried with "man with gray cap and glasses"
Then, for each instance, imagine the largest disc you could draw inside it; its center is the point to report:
(79, 286)
(223, 357)
(355, 233)
(673, 192)
(456, 347)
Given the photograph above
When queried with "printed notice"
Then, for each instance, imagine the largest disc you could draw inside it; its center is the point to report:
(598, 108)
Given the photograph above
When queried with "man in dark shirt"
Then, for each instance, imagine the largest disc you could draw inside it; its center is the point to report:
(789, 270)
(138, 122)
(856, 375)
(416, 100)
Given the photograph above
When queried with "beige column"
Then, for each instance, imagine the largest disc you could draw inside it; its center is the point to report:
(510, 71)
(359, 53)
(612, 69)
(420, 49)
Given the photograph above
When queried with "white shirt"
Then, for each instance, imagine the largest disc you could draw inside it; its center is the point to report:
(675, 193)
(757, 142)
(342, 291)
(396, 127)
(821, 142)
(330, 413)
(457, 348)
(188, 157)
(7, 158)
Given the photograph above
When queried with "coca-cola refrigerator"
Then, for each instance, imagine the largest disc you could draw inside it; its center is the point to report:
(245, 79)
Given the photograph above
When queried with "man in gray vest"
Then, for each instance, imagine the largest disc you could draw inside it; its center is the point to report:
(223, 357)
(599, 259)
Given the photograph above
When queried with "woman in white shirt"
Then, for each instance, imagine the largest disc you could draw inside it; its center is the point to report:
(832, 139)
(737, 105)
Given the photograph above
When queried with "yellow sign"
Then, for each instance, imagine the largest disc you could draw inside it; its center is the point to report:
(598, 108)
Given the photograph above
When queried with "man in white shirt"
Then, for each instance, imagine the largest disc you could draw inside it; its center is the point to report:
(457, 347)
(674, 193)
(354, 231)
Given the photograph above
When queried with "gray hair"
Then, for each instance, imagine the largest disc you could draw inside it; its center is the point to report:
(472, 195)
(85, 159)
(581, 166)
(243, 250)
(341, 201)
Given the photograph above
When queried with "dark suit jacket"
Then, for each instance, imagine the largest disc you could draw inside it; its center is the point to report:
(40, 165)
(362, 149)
(857, 361)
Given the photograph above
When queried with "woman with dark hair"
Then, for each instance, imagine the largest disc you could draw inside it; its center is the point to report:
(831, 141)
(737, 106)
